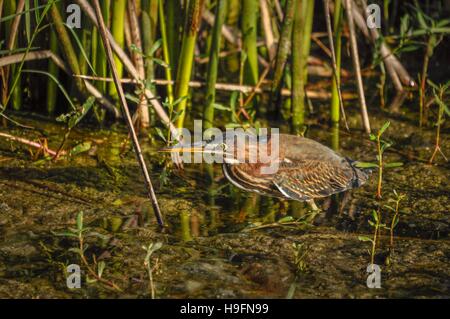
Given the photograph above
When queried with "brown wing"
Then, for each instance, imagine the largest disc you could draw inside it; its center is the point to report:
(241, 177)
(307, 179)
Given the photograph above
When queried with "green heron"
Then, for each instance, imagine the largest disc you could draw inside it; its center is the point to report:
(304, 170)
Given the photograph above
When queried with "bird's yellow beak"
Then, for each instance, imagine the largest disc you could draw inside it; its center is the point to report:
(198, 147)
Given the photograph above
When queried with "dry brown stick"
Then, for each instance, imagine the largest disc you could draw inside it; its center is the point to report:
(357, 67)
(320, 44)
(86, 7)
(333, 58)
(144, 118)
(268, 32)
(279, 10)
(257, 86)
(389, 58)
(228, 35)
(47, 54)
(313, 94)
(28, 142)
(15, 25)
(227, 32)
(123, 102)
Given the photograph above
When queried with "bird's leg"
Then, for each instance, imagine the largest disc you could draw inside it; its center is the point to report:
(313, 205)
(345, 198)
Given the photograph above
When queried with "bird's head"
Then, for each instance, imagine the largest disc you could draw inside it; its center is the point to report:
(239, 147)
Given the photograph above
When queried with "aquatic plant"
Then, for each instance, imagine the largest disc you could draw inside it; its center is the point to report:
(150, 249)
(395, 218)
(97, 268)
(377, 225)
(439, 92)
(381, 145)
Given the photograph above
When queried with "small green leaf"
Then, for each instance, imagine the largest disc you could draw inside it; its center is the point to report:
(384, 127)
(160, 134)
(65, 234)
(364, 238)
(221, 107)
(80, 221)
(80, 148)
(396, 220)
(156, 246)
(365, 165)
(156, 45)
(75, 250)
(375, 216)
(372, 137)
(286, 219)
(100, 267)
(393, 164)
(160, 62)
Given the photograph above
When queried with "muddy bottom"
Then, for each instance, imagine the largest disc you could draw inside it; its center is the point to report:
(220, 242)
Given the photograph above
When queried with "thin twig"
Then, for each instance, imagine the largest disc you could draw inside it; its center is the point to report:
(159, 110)
(144, 119)
(21, 140)
(357, 67)
(333, 57)
(47, 54)
(268, 32)
(123, 102)
(312, 94)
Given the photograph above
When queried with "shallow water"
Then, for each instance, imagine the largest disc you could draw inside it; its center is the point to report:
(220, 242)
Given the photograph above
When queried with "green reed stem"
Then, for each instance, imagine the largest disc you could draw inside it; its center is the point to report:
(53, 69)
(193, 18)
(283, 46)
(337, 18)
(117, 30)
(101, 62)
(250, 9)
(166, 53)
(298, 78)
(211, 78)
(66, 46)
(173, 19)
(234, 7)
(86, 42)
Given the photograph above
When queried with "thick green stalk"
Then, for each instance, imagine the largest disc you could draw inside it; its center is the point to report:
(301, 39)
(166, 53)
(208, 114)
(309, 18)
(283, 46)
(193, 18)
(249, 20)
(118, 27)
(66, 46)
(52, 87)
(86, 42)
(298, 90)
(173, 26)
(234, 7)
(94, 47)
(338, 45)
(101, 63)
